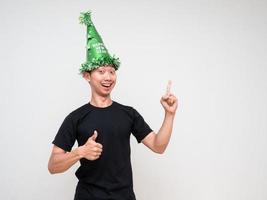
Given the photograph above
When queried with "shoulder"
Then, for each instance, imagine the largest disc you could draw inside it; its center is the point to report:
(129, 110)
(79, 112)
(122, 106)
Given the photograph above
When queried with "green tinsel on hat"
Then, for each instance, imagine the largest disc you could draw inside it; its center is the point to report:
(96, 53)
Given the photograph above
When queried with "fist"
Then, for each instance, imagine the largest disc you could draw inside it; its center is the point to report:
(92, 150)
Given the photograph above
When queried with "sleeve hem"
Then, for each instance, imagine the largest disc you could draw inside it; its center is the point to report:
(62, 146)
(139, 139)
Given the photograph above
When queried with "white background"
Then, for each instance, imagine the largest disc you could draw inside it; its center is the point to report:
(213, 51)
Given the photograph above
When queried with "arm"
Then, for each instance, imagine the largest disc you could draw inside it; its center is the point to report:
(60, 160)
(158, 142)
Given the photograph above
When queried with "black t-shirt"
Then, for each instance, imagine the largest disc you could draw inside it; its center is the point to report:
(110, 176)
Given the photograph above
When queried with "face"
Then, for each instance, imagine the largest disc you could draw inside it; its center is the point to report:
(102, 80)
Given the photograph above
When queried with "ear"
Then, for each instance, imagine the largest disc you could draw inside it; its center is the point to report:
(86, 76)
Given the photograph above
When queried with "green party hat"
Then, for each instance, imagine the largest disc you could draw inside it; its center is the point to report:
(96, 53)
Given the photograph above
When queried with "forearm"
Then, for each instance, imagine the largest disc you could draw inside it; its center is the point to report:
(164, 134)
(158, 142)
(60, 162)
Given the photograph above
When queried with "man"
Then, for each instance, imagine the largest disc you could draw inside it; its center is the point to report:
(102, 129)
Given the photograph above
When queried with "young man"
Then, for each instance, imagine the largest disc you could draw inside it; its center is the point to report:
(102, 129)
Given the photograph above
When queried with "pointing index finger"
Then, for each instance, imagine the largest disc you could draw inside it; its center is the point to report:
(168, 90)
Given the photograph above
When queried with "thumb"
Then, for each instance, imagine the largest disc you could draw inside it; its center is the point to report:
(94, 136)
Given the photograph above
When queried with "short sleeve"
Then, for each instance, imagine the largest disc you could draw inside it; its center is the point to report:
(140, 128)
(66, 135)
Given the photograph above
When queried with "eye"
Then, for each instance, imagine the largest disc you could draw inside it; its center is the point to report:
(101, 71)
(112, 72)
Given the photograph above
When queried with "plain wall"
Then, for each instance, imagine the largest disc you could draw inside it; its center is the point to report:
(213, 51)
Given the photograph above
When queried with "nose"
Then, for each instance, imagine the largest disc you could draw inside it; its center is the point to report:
(107, 76)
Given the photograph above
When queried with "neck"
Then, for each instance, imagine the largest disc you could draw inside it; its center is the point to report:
(100, 101)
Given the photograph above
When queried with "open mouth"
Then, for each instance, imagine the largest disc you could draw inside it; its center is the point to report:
(106, 85)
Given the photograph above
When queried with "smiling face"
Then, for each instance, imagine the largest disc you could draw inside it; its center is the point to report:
(102, 80)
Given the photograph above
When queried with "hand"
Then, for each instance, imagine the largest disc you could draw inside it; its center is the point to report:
(169, 101)
(91, 150)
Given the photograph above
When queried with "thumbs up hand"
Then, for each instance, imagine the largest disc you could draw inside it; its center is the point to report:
(91, 150)
(93, 137)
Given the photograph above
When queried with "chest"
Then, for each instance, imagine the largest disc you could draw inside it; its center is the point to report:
(112, 127)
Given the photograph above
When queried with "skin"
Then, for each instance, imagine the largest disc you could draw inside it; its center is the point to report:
(102, 81)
